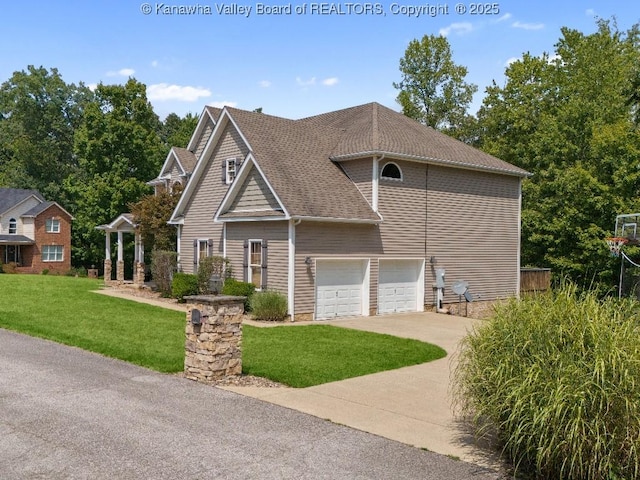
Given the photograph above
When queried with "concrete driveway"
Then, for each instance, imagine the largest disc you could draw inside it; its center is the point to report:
(70, 414)
(411, 405)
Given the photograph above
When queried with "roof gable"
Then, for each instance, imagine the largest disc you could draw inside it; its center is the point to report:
(38, 209)
(12, 197)
(209, 114)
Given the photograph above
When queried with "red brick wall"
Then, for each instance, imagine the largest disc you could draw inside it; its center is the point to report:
(43, 238)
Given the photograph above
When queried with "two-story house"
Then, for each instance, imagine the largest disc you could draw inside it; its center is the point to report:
(35, 234)
(350, 212)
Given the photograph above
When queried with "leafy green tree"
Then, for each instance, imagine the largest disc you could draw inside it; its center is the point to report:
(176, 131)
(432, 86)
(39, 114)
(567, 119)
(119, 148)
(151, 213)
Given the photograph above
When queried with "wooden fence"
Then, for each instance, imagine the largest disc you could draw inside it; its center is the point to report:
(535, 279)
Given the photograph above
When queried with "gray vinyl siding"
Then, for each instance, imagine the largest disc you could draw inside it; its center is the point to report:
(327, 240)
(254, 195)
(198, 216)
(277, 235)
(360, 172)
(204, 137)
(473, 231)
(175, 174)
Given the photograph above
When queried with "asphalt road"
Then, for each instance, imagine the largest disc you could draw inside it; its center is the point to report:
(70, 414)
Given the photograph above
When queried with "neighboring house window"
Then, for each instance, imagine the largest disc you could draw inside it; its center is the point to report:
(391, 171)
(230, 170)
(52, 225)
(13, 226)
(52, 253)
(255, 264)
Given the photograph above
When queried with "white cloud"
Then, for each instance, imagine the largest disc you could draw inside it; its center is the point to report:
(223, 103)
(504, 17)
(264, 83)
(330, 82)
(123, 72)
(510, 61)
(306, 83)
(528, 26)
(590, 12)
(459, 28)
(155, 63)
(164, 91)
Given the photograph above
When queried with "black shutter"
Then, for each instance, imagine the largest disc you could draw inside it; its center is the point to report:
(210, 245)
(224, 171)
(195, 255)
(264, 265)
(245, 262)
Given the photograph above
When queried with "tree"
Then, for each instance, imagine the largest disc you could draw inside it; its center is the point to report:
(176, 131)
(119, 148)
(39, 114)
(568, 119)
(151, 213)
(432, 88)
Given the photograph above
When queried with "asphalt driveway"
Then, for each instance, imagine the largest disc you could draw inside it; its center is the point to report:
(70, 414)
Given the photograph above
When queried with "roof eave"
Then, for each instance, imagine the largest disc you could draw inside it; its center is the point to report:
(431, 161)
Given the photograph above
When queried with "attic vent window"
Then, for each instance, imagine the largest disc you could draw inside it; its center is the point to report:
(230, 170)
(391, 171)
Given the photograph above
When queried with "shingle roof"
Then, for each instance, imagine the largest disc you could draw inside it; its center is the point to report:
(214, 112)
(10, 197)
(186, 158)
(37, 209)
(373, 128)
(295, 160)
(15, 239)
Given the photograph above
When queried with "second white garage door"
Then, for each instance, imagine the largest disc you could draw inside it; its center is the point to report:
(339, 288)
(399, 286)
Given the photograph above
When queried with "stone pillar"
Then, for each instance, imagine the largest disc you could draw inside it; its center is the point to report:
(107, 270)
(213, 348)
(138, 275)
(120, 271)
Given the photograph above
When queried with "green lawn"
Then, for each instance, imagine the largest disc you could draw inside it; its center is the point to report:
(65, 309)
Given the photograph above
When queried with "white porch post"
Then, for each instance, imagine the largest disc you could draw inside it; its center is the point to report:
(120, 263)
(120, 246)
(107, 245)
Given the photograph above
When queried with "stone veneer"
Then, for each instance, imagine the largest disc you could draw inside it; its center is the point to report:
(213, 350)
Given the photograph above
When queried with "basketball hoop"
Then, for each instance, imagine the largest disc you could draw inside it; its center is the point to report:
(615, 244)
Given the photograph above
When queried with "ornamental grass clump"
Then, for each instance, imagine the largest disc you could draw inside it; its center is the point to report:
(556, 379)
(268, 305)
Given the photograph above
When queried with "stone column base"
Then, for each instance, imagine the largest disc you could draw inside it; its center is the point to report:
(120, 271)
(107, 271)
(138, 275)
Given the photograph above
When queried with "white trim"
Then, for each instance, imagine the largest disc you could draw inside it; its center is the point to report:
(199, 128)
(50, 221)
(115, 224)
(270, 218)
(227, 178)
(393, 179)
(249, 269)
(167, 176)
(291, 273)
(519, 238)
(178, 243)
(337, 220)
(374, 184)
(58, 248)
(431, 161)
(241, 176)
(224, 240)
(253, 210)
(208, 253)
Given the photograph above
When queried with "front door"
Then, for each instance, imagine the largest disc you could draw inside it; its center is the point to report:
(12, 254)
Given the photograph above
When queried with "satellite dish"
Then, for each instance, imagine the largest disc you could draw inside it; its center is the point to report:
(460, 287)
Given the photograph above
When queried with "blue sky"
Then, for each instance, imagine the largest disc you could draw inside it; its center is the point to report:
(291, 64)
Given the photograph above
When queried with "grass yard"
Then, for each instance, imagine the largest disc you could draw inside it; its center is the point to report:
(303, 356)
(65, 310)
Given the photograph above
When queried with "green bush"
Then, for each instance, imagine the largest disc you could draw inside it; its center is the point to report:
(163, 266)
(45, 271)
(1, 270)
(184, 284)
(268, 305)
(556, 379)
(211, 267)
(76, 272)
(240, 289)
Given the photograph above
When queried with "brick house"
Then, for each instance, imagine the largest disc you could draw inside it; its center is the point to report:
(35, 234)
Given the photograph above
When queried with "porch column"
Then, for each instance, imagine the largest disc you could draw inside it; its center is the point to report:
(120, 263)
(138, 273)
(107, 256)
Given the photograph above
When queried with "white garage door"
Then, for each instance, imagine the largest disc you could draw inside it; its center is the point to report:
(398, 285)
(339, 288)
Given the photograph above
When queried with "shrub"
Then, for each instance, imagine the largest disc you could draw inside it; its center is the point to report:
(1, 270)
(184, 284)
(555, 378)
(268, 305)
(211, 267)
(45, 271)
(163, 266)
(10, 267)
(240, 289)
(76, 272)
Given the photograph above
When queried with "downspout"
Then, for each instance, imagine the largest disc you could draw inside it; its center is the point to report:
(375, 177)
(291, 284)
